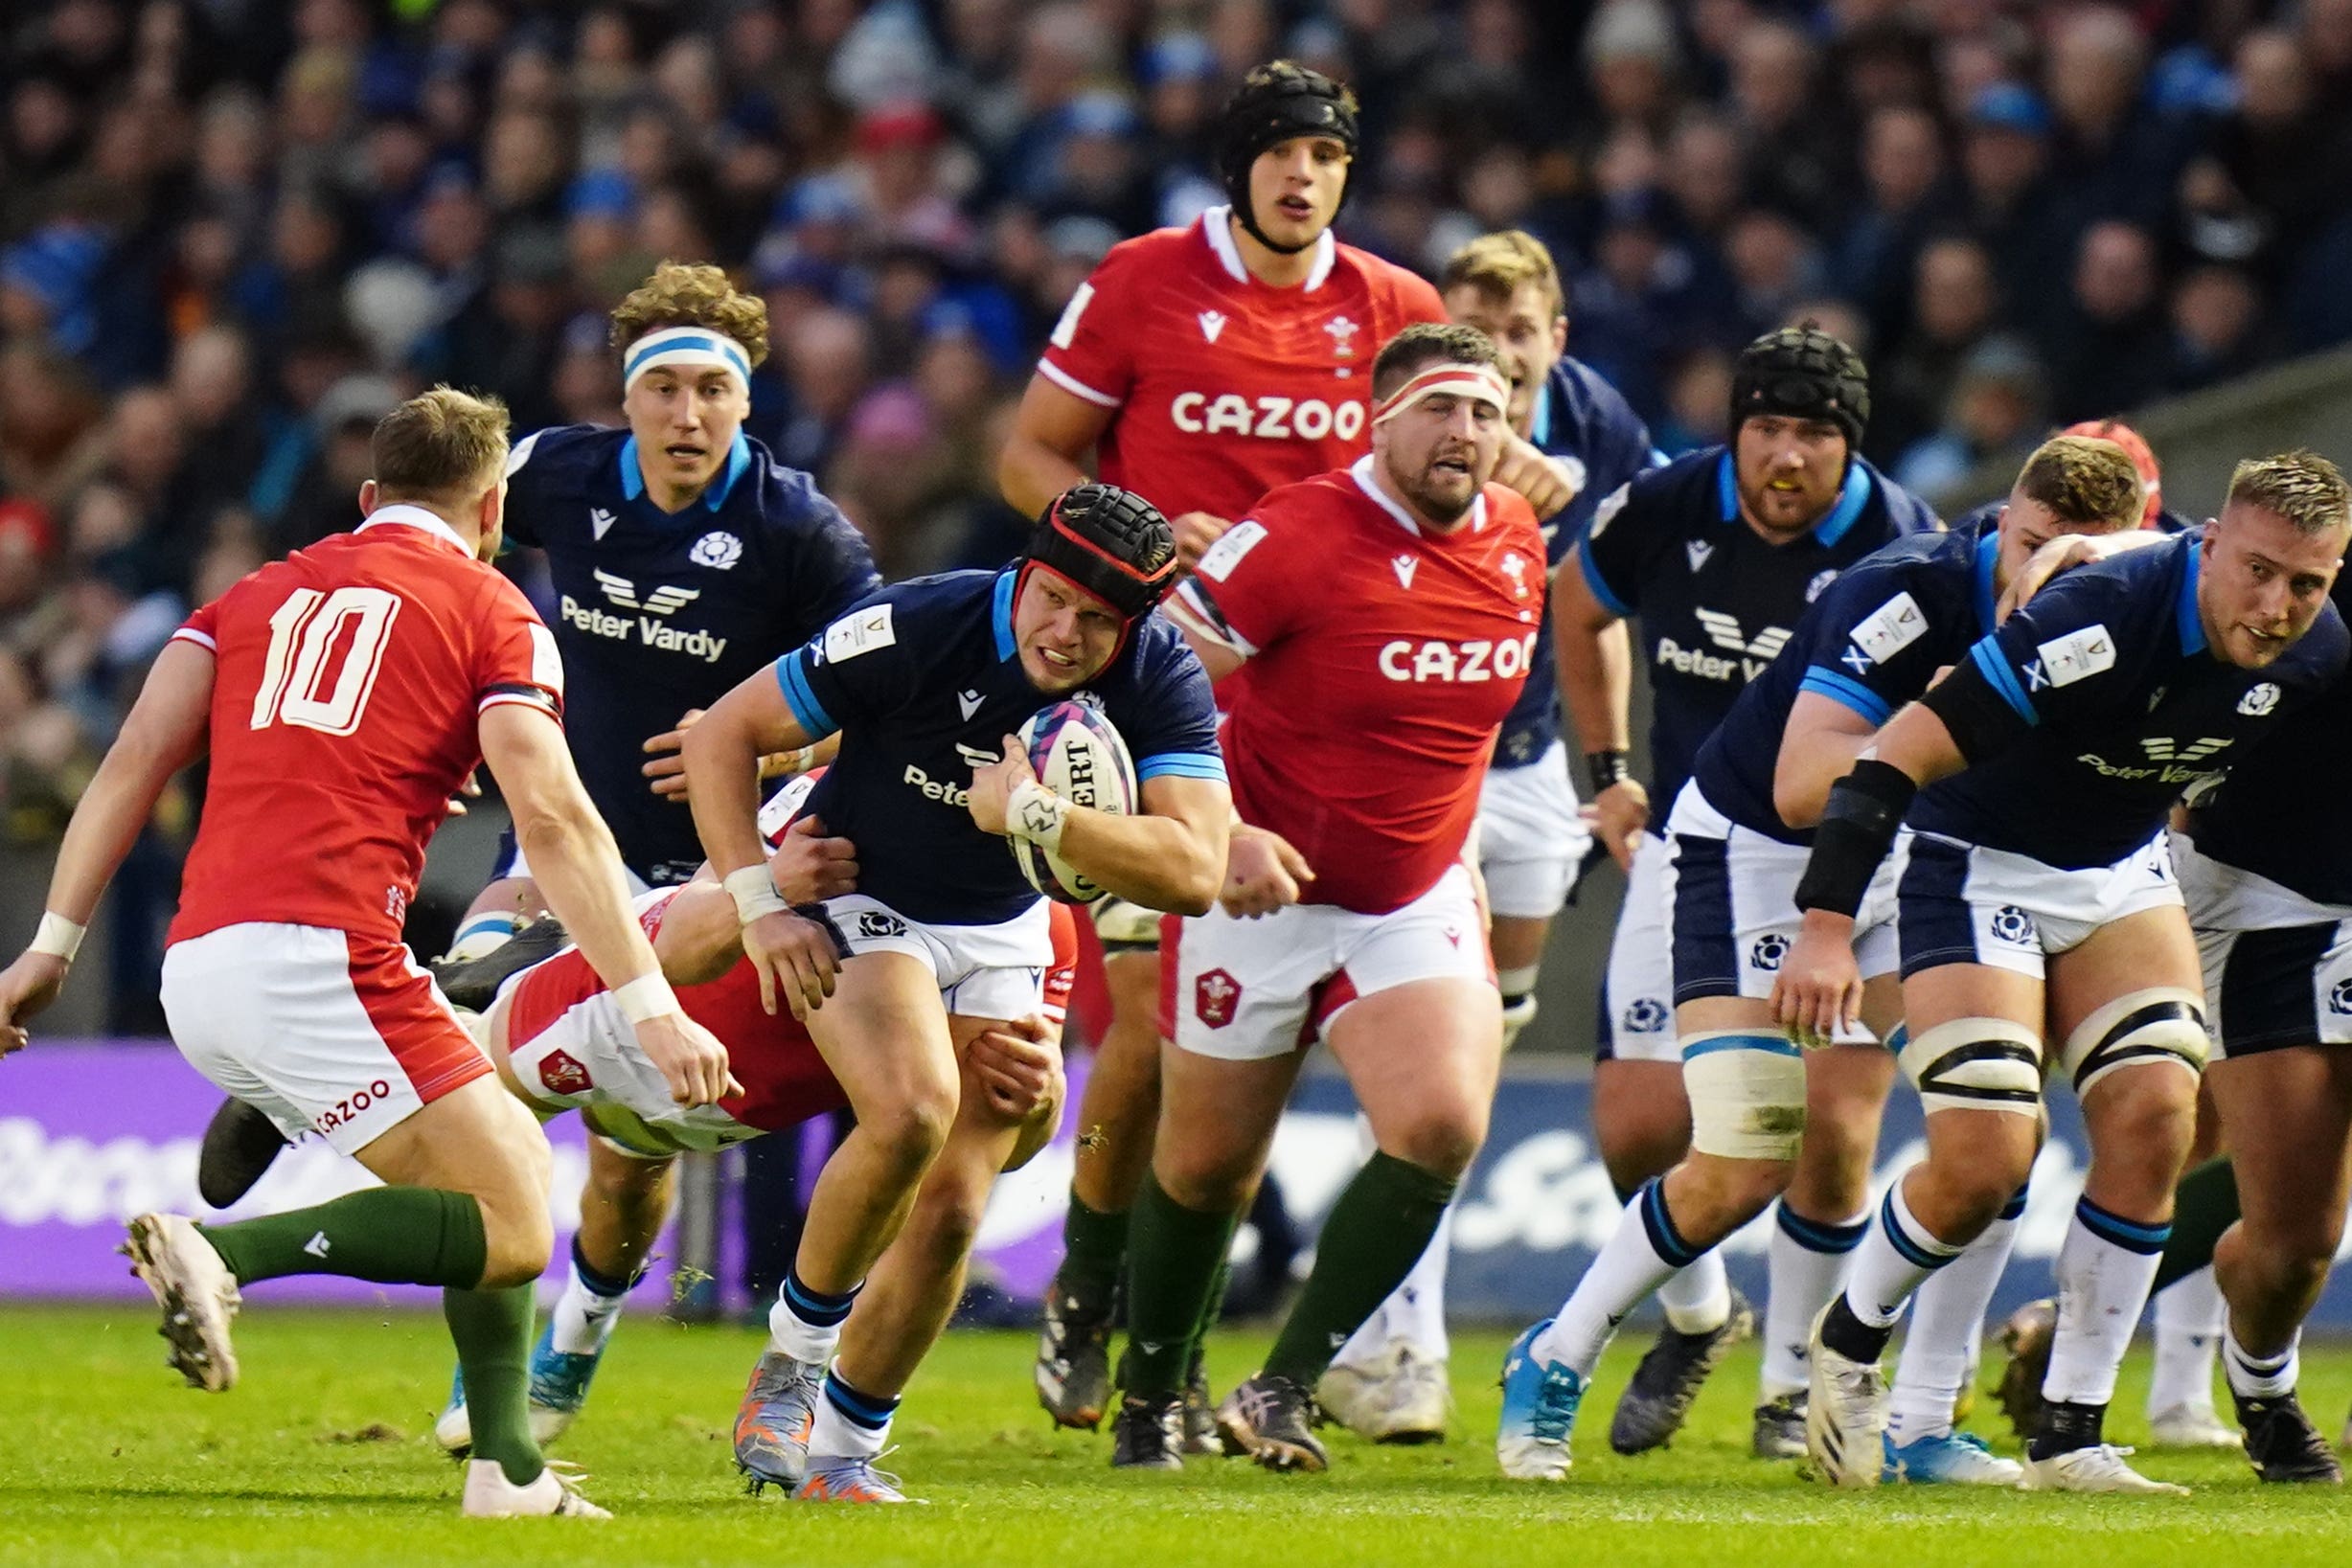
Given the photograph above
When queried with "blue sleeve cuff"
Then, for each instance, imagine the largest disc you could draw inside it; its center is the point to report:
(1608, 600)
(1847, 692)
(1988, 658)
(1180, 765)
(806, 712)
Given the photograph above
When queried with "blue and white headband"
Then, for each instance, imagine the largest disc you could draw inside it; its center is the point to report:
(696, 345)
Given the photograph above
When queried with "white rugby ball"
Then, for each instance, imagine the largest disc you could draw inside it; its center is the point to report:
(1076, 753)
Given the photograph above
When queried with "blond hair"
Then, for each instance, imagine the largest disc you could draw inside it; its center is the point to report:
(443, 444)
(685, 294)
(2301, 486)
(1501, 264)
(2082, 480)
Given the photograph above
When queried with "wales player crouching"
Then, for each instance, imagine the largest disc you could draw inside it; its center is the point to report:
(924, 682)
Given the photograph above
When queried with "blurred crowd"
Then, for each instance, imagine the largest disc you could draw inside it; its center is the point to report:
(233, 232)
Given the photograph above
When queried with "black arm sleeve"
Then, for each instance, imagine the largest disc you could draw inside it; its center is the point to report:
(1858, 827)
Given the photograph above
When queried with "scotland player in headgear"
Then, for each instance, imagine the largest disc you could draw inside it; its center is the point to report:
(1739, 829)
(2036, 780)
(1717, 555)
(925, 682)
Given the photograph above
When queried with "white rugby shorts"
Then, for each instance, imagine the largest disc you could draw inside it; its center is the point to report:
(588, 1054)
(1531, 840)
(983, 971)
(1637, 992)
(320, 1031)
(1245, 990)
(2277, 964)
(1962, 903)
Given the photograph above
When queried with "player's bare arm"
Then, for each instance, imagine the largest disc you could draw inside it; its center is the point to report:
(721, 754)
(2067, 549)
(1052, 433)
(1171, 856)
(1596, 685)
(1817, 749)
(164, 733)
(1263, 872)
(579, 872)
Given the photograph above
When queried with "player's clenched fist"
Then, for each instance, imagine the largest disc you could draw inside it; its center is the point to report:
(26, 987)
(689, 1057)
(1263, 873)
(1617, 816)
(1195, 533)
(992, 786)
(1544, 481)
(794, 957)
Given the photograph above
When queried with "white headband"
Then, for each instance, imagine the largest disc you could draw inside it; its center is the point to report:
(697, 346)
(1483, 382)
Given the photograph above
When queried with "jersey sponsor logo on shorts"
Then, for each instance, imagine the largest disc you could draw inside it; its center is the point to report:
(1698, 551)
(2259, 699)
(719, 550)
(1405, 566)
(874, 924)
(1269, 418)
(1212, 323)
(2339, 997)
(1466, 663)
(1215, 995)
(1767, 952)
(1645, 1015)
(661, 600)
(563, 1074)
(352, 1104)
(2075, 656)
(599, 521)
(859, 632)
(2013, 925)
(1884, 632)
(1219, 560)
(1065, 331)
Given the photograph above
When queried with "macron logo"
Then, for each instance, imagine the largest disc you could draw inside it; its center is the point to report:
(1407, 566)
(1212, 323)
(1698, 550)
(317, 1246)
(600, 520)
(969, 702)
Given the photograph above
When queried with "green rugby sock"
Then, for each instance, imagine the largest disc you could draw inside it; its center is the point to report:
(391, 1235)
(1093, 1252)
(1172, 1257)
(493, 1332)
(2204, 1205)
(1377, 1232)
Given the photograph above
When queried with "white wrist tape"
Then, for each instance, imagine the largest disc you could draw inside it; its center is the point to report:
(1038, 815)
(755, 893)
(58, 937)
(648, 996)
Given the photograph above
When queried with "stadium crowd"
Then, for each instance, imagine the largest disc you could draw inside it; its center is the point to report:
(233, 235)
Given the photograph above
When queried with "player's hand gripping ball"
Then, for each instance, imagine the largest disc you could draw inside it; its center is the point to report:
(1076, 753)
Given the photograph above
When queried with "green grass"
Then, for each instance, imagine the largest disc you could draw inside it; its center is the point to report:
(112, 1462)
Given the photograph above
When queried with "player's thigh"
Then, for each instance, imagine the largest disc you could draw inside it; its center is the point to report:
(701, 935)
(885, 1035)
(1131, 977)
(1637, 987)
(1423, 1058)
(2291, 1112)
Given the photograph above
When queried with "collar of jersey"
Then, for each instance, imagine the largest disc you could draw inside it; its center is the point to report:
(2184, 609)
(714, 495)
(417, 517)
(1988, 551)
(1000, 611)
(1361, 471)
(1851, 496)
(1229, 255)
(1539, 421)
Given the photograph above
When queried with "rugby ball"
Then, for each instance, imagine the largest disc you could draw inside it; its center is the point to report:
(1076, 754)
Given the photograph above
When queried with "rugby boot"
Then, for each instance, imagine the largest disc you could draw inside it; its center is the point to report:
(473, 983)
(1539, 1399)
(1845, 1414)
(2282, 1444)
(1271, 1418)
(2026, 1337)
(1073, 1362)
(1403, 1399)
(849, 1480)
(1780, 1427)
(554, 1494)
(1148, 1434)
(196, 1292)
(239, 1145)
(771, 1427)
(2099, 1467)
(1948, 1459)
(1656, 1404)
(1199, 1420)
(2191, 1427)
(1357, 1397)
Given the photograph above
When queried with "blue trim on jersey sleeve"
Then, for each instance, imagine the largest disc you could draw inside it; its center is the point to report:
(1988, 656)
(1988, 549)
(806, 711)
(1609, 602)
(1726, 489)
(1180, 765)
(2184, 609)
(1852, 497)
(1847, 692)
(1000, 612)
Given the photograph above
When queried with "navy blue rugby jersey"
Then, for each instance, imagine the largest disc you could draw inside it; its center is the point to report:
(2277, 814)
(2118, 707)
(924, 683)
(1873, 641)
(1716, 602)
(659, 612)
(1586, 422)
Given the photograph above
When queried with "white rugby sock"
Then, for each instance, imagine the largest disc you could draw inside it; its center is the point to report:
(1634, 1261)
(587, 1313)
(805, 1323)
(1808, 1260)
(483, 935)
(1940, 1351)
(1698, 1298)
(1893, 1258)
(1415, 1312)
(2190, 1317)
(849, 1423)
(2104, 1271)
(2254, 1376)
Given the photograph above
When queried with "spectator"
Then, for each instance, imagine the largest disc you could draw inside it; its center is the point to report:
(1995, 415)
(1954, 303)
(2109, 357)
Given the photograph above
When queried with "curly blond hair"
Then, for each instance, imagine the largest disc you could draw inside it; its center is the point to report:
(686, 294)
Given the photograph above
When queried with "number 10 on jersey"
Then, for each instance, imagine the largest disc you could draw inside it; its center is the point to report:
(302, 634)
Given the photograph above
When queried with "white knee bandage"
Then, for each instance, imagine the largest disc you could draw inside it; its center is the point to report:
(2143, 1027)
(1516, 1017)
(1746, 1090)
(1976, 1064)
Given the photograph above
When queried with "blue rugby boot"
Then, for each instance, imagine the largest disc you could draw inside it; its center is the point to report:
(1539, 1412)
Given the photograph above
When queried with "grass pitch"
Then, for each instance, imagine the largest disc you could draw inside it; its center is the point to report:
(323, 1456)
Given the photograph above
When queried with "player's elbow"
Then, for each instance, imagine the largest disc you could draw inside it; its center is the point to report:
(1018, 473)
(1195, 880)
